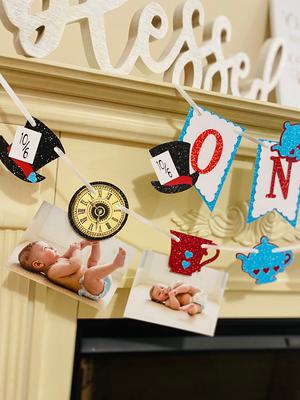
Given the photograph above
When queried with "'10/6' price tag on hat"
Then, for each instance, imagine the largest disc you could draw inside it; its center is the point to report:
(25, 144)
(164, 167)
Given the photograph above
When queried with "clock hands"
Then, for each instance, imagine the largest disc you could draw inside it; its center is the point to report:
(98, 218)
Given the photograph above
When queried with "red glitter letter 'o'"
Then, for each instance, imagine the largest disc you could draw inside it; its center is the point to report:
(197, 147)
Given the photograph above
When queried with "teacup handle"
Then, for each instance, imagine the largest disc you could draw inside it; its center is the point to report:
(210, 259)
(287, 259)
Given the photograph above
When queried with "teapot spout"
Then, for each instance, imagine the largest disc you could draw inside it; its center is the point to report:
(241, 257)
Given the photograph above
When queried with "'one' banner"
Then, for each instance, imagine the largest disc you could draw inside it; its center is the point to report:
(276, 184)
(214, 142)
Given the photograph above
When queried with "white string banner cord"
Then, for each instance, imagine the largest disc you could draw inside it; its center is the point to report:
(188, 99)
(229, 248)
(69, 163)
(233, 249)
(147, 222)
(17, 101)
(295, 248)
(238, 131)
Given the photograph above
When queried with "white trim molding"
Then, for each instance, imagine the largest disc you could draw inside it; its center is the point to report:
(88, 102)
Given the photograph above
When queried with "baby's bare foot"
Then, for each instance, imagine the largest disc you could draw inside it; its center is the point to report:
(120, 258)
(193, 309)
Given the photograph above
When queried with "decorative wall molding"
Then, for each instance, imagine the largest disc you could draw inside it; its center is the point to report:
(230, 225)
(39, 34)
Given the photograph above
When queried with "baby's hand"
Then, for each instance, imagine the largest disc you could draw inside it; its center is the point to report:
(75, 246)
(85, 243)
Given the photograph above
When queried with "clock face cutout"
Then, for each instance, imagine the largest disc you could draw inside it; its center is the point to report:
(97, 217)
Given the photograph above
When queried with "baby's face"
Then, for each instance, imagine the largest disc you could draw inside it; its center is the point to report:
(43, 253)
(160, 292)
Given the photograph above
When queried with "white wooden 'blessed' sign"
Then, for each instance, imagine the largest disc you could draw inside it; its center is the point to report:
(183, 61)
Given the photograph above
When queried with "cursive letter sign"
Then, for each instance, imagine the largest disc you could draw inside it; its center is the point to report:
(182, 60)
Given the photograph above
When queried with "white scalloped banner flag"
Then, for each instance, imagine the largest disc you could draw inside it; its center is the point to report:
(276, 184)
(214, 142)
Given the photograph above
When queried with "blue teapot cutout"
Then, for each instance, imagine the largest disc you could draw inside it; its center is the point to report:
(289, 146)
(265, 265)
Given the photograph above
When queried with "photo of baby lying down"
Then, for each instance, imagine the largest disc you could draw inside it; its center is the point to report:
(68, 270)
(52, 254)
(179, 296)
(184, 302)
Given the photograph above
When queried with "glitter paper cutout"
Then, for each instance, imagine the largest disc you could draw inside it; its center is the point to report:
(44, 155)
(224, 136)
(276, 185)
(265, 265)
(20, 169)
(289, 144)
(284, 180)
(185, 264)
(176, 187)
(197, 147)
(180, 154)
(186, 255)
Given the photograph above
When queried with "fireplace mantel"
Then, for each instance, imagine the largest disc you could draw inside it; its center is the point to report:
(107, 124)
(76, 100)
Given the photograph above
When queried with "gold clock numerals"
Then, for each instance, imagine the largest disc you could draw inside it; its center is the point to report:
(96, 217)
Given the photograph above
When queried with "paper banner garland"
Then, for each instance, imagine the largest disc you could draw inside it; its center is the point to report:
(32, 149)
(186, 255)
(276, 183)
(172, 166)
(205, 151)
(214, 142)
(265, 265)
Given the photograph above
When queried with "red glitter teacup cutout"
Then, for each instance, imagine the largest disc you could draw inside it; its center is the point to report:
(186, 255)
